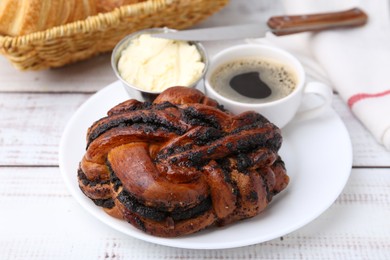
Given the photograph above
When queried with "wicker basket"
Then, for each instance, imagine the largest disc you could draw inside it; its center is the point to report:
(81, 40)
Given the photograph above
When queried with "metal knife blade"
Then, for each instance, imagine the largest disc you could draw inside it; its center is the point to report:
(278, 25)
(216, 33)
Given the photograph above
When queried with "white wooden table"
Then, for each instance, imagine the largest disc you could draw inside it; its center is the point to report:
(39, 219)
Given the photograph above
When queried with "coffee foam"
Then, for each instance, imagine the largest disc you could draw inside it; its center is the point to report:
(279, 77)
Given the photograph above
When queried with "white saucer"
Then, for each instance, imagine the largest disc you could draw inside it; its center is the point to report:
(318, 157)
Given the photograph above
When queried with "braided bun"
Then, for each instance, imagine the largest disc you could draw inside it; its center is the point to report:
(181, 164)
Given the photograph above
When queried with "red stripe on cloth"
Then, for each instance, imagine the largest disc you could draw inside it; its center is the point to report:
(355, 98)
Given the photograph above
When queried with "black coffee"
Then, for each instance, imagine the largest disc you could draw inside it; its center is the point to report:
(253, 80)
(250, 85)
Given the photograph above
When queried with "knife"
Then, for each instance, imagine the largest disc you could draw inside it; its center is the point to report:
(278, 25)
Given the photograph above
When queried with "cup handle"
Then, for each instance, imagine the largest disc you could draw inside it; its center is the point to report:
(318, 89)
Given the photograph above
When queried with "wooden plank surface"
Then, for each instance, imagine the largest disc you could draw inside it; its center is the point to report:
(31, 125)
(86, 76)
(41, 220)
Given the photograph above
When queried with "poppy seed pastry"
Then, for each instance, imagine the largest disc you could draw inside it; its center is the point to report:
(181, 164)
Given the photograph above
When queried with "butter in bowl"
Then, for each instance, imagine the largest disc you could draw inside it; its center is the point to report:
(148, 65)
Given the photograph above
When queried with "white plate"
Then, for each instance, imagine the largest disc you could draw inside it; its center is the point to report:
(318, 159)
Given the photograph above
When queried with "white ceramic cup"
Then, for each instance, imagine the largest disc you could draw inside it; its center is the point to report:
(281, 111)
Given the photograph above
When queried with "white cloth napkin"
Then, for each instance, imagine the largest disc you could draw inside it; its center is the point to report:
(355, 62)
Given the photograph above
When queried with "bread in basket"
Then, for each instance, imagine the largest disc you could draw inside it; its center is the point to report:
(99, 33)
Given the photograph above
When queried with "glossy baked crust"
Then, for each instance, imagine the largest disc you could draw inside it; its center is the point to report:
(181, 164)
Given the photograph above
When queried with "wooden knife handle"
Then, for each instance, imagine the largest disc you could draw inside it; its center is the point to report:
(289, 24)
